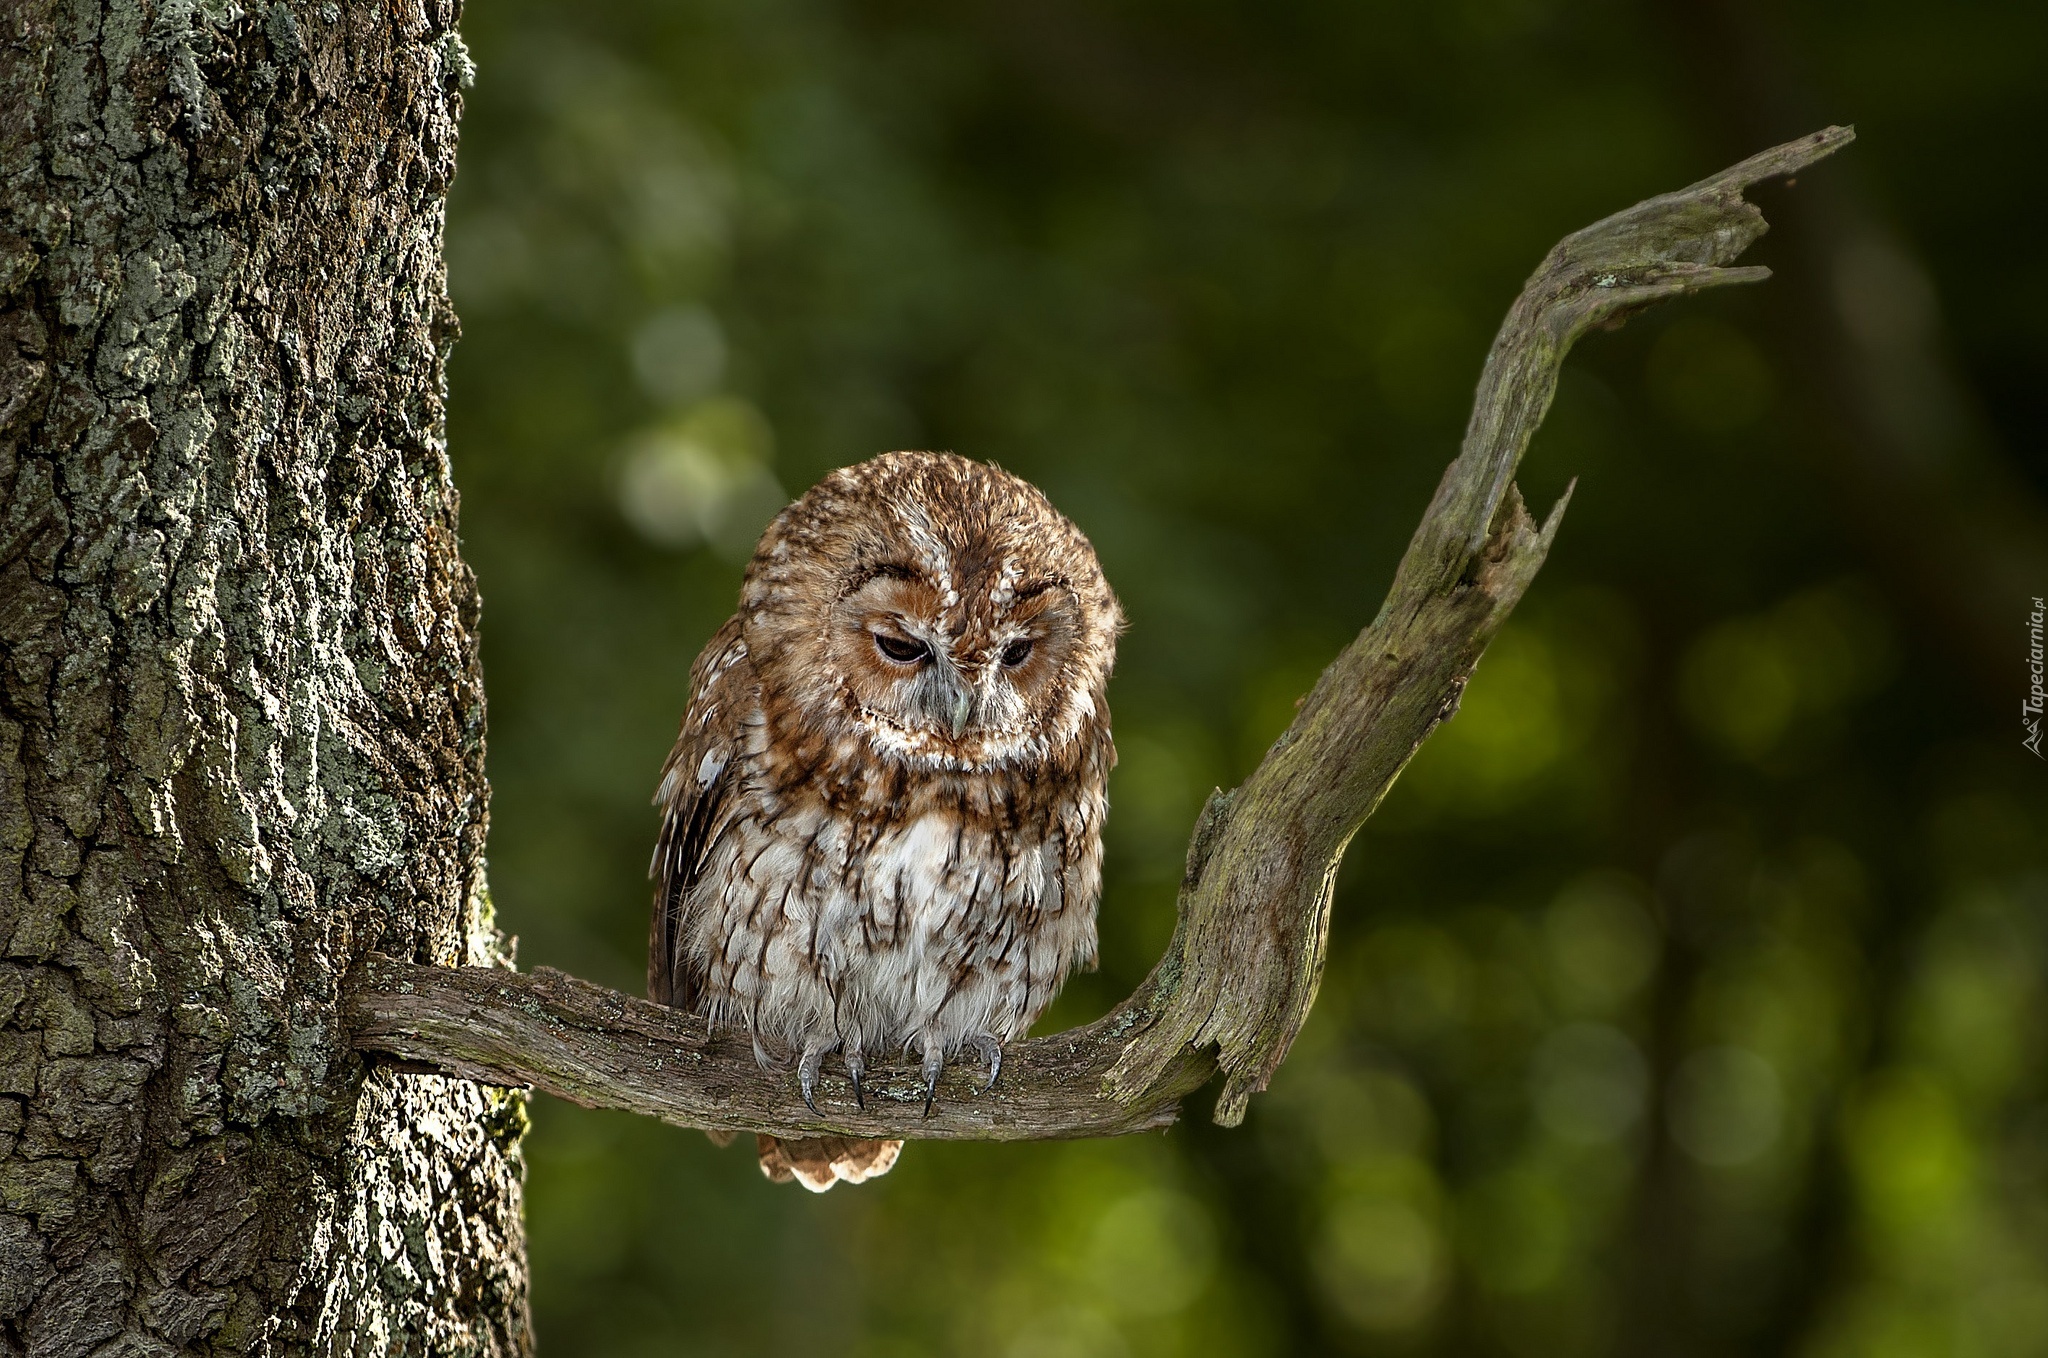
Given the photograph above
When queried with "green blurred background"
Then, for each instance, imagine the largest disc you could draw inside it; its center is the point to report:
(1686, 997)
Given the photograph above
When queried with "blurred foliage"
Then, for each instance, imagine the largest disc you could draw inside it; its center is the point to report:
(1686, 997)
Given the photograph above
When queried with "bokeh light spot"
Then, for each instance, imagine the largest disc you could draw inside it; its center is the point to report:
(1589, 1082)
(679, 354)
(1739, 688)
(1510, 730)
(1381, 1262)
(1068, 1332)
(1726, 1106)
(703, 478)
(1752, 683)
(1601, 940)
(1911, 1155)
(1152, 1253)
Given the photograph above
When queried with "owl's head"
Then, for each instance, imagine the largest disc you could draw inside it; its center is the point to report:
(939, 608)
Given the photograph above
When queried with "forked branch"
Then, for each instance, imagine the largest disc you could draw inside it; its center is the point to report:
(1241, 971)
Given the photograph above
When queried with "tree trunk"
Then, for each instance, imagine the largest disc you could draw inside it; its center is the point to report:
(241, 717)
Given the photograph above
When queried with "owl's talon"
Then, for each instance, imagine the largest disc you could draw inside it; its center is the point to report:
(991, 1052)
(807, 1075)
(857, 1066)
(934, 1062)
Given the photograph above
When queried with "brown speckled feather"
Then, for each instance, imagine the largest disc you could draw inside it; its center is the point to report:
(693, 795)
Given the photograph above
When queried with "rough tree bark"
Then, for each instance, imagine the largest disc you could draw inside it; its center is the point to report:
(241, 719)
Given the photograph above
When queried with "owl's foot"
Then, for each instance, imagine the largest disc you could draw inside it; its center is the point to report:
(991, 1052)
(989, 1049)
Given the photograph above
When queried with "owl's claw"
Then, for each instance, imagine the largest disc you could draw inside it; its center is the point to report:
(807, 1075)
(934, 1062)
(857, 1066)
(991, 1052)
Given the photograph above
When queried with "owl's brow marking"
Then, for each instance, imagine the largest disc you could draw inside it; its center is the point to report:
(1236, 982)
(1032, 591)
(888, 570)
(917, 524)
(1004, 589)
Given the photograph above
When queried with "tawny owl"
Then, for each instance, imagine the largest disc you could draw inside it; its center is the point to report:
(882, 820)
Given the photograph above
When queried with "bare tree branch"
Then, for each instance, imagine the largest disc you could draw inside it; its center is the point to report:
(1241, 971)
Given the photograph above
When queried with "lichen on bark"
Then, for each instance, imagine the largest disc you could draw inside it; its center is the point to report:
(241, 717)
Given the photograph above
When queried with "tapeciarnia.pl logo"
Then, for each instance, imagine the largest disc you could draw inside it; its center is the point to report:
(2030, 710)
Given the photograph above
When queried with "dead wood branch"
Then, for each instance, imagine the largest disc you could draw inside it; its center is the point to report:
(1241, 971)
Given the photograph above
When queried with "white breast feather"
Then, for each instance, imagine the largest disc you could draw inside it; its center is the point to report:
(924, 937)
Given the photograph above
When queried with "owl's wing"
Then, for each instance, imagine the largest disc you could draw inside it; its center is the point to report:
(696, 788)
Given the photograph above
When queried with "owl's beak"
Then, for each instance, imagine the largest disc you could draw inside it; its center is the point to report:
(963, 702)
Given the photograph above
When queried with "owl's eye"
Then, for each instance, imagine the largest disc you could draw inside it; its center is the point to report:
(1016, 653)
(901, 650)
